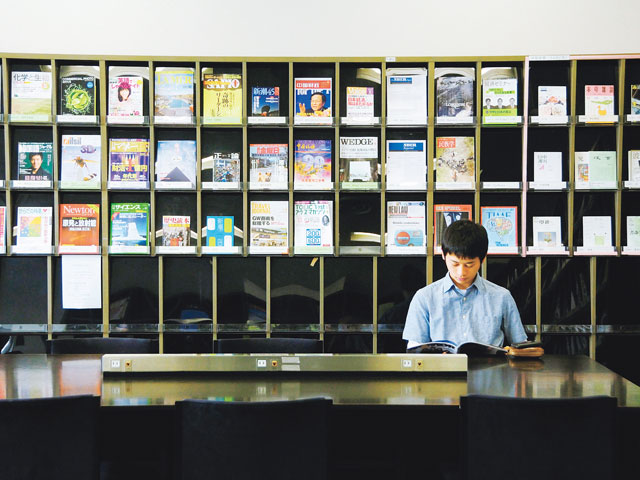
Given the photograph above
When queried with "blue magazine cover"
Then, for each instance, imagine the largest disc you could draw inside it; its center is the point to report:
(176, 161)
(265, 101)
(501, 224)
(313, 97)
(219, 231)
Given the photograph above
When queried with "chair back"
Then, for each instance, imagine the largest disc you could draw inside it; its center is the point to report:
(49, 438)
(269, 345)
(101, 345)
(523, 438)
(281, 440)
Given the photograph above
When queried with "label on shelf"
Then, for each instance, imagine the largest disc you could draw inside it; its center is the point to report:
(360, 120)
(313, 121)
(598, 119)
(268, 250)
(190, 120)
(3, 250)
(222, 120)
(268, 186)
(29, 118)
(78, 249)
(32, 184)
(547, 250)
(71, 185)
(632, 184)
(32, 249)
(455, 185)
(222, 250)
(397, 250)
(631, 250)
(174, 186)
(375, 186)
(313, 250)
(455, 120)
(548, 58)
(547, 185)
(182, 250)
(421, 186)
(267, 120)
(128, 185)
(500, 185)
(362, 250)
(137, 249)
(633, 118)
(504, 250)
(551, 120)
(89, 119)
(609, 185)
(221, 186)
(127, 120)
(406, 122)
(514, 120)
(313, 186)
(591, 251)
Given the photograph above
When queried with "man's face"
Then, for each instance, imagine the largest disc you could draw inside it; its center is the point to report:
(462, 271)
(316, 102)
(36, 161)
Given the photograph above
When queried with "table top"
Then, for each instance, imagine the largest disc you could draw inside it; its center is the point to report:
(553, 376)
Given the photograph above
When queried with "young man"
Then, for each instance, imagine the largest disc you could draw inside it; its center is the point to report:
(462, 306)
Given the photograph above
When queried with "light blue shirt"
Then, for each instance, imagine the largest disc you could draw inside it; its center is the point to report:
(483, 313)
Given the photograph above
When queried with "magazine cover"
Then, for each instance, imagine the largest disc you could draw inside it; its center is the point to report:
(547, 232)
(34, 226)
(599, 100)
(265, 101)
(406, 96)
(312, 163)
(635, 99)
(80, 159)
(313, 223)
(501, 224)
(35, 161)
(633, 231)
(129, 224)
(268, 165)
(269, 224)
(219, 231)
(221, 95)
(406, 224)
(552, 101)
(454, 93)
(596, 169)
(175, 231)
(221, 168)
(313, 97)
(78, 95)
(79, 225)
(547, 167)
(126, 96)
(174, 92)
(455, 160)
(406, 167)
(176, 161)
(500, 97)
(444, 215)
(31, 93)
(359, 160)
(360, 102)
(634, 165)
(596, 232)
(128, 160)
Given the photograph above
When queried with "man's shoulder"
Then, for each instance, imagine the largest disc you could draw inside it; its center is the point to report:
(493, 288)
(434, 287)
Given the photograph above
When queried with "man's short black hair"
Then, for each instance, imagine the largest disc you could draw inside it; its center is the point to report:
(465, 239)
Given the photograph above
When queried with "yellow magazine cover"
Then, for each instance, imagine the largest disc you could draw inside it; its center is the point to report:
(222, 95)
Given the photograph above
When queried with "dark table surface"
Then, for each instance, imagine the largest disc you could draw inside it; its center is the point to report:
(33, 376)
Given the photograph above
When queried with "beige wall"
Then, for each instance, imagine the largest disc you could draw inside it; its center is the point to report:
(321, 28)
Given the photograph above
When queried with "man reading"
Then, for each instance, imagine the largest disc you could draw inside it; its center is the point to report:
(462, 306)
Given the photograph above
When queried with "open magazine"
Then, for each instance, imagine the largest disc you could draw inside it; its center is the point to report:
(469, 348)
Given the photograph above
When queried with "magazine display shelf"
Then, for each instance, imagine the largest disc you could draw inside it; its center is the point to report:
(354, 294)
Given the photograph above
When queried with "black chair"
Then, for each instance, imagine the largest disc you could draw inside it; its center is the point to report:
(101, 345)
(281, 440)
(49, 438)
(548, 439)
(269, 345)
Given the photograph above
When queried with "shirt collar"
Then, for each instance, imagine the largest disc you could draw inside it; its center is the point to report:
(448, 283)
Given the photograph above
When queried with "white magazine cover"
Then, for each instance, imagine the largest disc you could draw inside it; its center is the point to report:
(406, 96)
